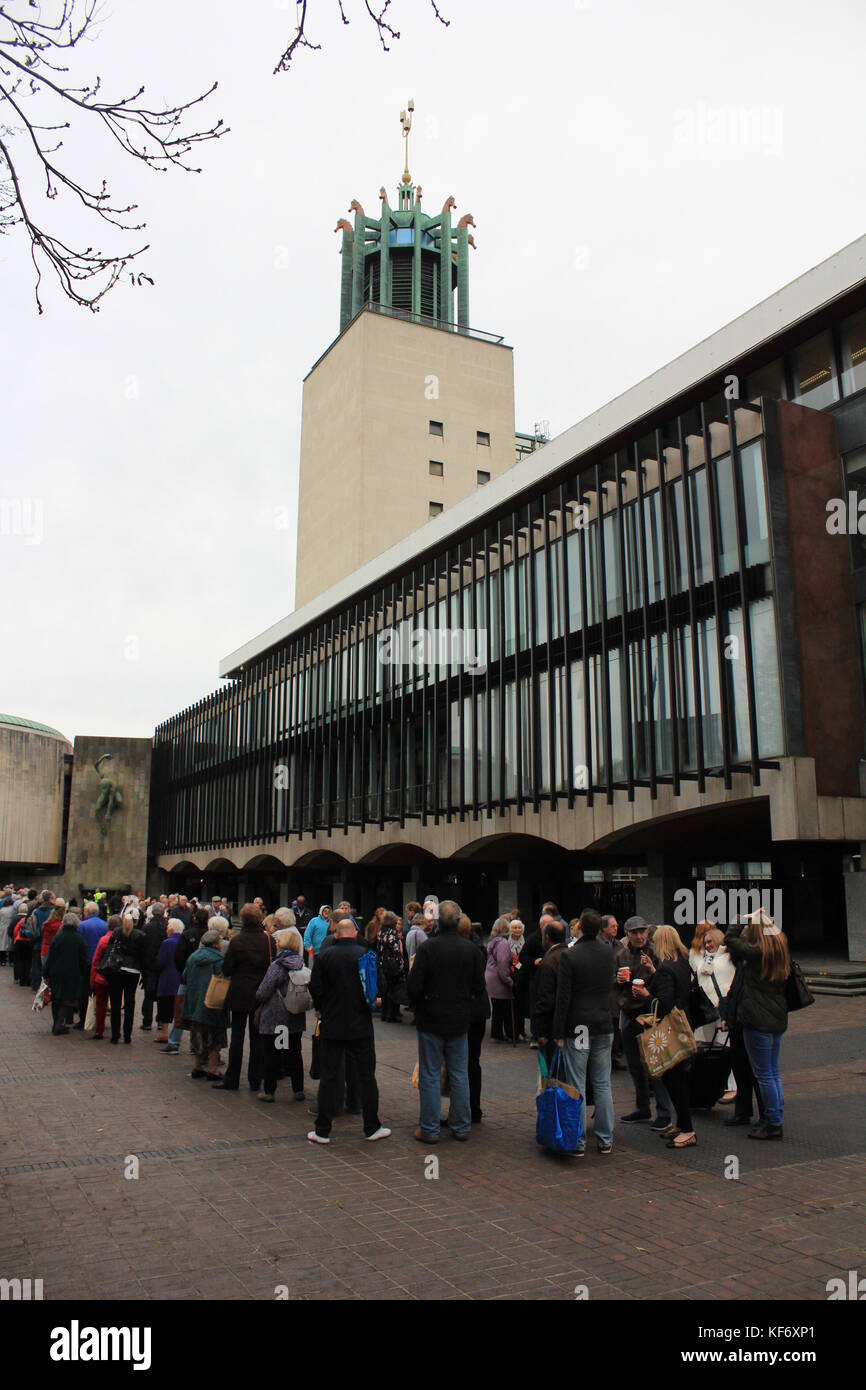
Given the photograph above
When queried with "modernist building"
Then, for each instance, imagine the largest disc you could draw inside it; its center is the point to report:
(643, 660)
(35, 774)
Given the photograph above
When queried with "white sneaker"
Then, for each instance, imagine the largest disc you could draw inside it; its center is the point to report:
(381, 1133)
(315, 1138)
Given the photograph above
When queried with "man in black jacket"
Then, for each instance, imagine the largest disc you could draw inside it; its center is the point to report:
(582, 1023)
(446, 975)
(630, 958)
(553, 943)
(346, 1030)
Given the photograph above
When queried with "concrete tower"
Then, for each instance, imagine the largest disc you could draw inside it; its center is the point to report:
(410, 409)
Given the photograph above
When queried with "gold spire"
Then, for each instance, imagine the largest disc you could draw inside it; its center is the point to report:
(406, 126)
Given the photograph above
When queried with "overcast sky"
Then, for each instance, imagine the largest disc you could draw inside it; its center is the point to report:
(158, 439)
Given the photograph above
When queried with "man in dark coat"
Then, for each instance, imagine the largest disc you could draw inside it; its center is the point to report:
(446, 976)
(582, 1023)
(629, 958)
(66, 966)
(154, 935)
(346, 1029)
(245, 963)
(553, 946)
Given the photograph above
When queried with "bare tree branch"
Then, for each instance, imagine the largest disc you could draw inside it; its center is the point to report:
(35, 77)
(385, 30)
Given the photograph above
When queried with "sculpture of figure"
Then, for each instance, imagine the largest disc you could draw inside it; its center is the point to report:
(448, 204)
(110, 797)
(355, 207)
(467, 220)
(343, 226)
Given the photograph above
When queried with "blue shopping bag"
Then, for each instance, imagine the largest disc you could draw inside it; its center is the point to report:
(560, 1109)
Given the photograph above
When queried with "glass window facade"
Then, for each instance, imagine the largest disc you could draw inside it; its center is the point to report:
(590, 640)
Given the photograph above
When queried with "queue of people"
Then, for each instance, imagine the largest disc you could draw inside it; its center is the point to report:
(577, 988)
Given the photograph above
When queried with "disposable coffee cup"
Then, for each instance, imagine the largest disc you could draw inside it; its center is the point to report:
(627, 972)
(638, 982)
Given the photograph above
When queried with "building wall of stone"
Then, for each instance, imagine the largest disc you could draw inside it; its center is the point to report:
(31, 796)
(366, 444)
(117, 858)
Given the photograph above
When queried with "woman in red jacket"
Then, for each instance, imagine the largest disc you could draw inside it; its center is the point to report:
(52, 926)
(98, 982)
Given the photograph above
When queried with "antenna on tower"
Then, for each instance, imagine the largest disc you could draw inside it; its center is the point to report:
(406, 126)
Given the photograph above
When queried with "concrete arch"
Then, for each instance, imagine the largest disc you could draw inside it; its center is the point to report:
(506, 848)
(220, 866)
(402, 854)
(263, 863)
(322, 860)
(186, 866)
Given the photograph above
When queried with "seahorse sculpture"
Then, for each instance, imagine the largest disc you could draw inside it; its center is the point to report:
(355, 207)
(471, 242)
(467, 220)
(448, 205)
(343, 226)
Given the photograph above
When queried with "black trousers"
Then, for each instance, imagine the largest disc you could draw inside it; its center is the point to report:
(333, 1051)
(744, 1077)
(631, 1031)
(391, 992)
(677, 1086)
(148, 1000)
(241, 1021)
(272, 1056)
(61, 1015)
(22, 954)
(500, 1022)
(476, 1037)
(121, 988)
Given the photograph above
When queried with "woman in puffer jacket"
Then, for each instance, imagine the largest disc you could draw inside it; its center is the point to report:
(274, 1016)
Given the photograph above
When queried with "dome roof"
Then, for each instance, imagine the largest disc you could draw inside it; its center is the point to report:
(37, 728)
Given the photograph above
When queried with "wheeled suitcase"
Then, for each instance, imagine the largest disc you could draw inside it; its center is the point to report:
(711, 1067)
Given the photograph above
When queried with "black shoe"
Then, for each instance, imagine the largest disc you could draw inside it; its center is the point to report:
(115, 1040)
(618, 1064)
(79, 1027)
(58, 1031)
(476, 1119)
(738, 1120)
(766, 1132)
(659, 1126)
(127, 1041)
(637, 1117)
(146, 1027)
(222, 1086)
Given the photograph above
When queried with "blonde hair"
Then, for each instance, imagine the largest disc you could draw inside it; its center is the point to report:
(761, 931)
(666, 943)
(288, 940)
(700, 932)
(715, 936)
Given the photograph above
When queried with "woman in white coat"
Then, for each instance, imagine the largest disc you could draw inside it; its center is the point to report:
(714, 970)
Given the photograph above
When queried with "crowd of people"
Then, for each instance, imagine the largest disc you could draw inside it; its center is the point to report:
(580, 992)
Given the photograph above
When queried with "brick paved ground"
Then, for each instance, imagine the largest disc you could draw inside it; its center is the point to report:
(232, 1200)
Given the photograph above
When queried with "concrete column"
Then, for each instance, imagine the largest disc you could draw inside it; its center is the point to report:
(855, 907)
(649, 899)
(507, 894)
(410, 893)
(338, 891)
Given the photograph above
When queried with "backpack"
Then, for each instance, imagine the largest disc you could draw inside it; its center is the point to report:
(297, 997)
(32, 929)
(369, 977)
(112, 959)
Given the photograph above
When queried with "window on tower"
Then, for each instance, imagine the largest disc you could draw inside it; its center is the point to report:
(437, 428)
(482, 437)
(437, 468)
(482, 477)
(436, 508)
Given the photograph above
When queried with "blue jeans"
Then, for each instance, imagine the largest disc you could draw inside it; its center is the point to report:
(175, 1037)
(431, 1049)
(763, 1050)
(598, 1058)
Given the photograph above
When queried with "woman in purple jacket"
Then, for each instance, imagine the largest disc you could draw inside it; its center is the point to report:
(499, 981)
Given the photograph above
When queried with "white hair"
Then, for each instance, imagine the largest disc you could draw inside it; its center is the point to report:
(174, 927)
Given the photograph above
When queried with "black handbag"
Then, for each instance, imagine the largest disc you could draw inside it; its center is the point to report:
(113, 959)
(701, 1009)
(797, 993)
